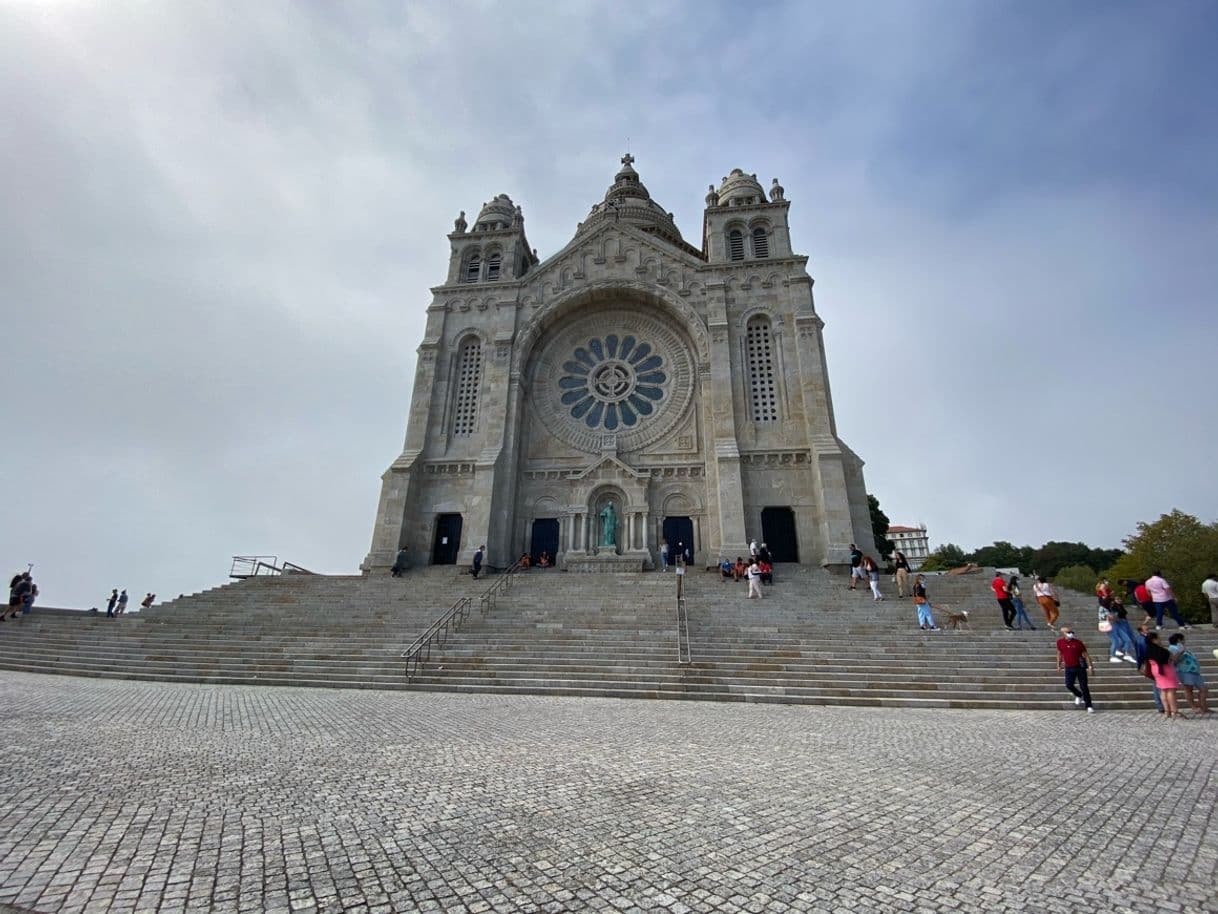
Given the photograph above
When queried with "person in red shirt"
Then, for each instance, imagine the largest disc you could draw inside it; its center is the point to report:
(1142, 595)
(1004, 600)
(1072, 656)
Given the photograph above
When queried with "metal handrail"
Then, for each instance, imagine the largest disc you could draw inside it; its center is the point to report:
(684, 654)
(502, 584)
(420, 651)
(251, 566)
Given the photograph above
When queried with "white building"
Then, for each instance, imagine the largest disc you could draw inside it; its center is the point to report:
(913, 541)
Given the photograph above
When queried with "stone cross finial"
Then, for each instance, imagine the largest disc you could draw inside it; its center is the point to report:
(627, 159)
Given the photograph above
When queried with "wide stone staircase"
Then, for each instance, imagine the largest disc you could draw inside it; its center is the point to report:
(809, 641)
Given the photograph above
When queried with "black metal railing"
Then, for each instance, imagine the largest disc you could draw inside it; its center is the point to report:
(684, 654)
(252, 566)
(437, 633)
(450, 621)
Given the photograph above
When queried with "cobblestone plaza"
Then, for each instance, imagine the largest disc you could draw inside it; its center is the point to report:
(129, 796)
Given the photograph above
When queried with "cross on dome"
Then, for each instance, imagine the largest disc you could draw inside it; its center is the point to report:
(627, 159)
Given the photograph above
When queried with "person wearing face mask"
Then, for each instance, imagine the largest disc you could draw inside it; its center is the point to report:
(1072, 657)
(1188, 671)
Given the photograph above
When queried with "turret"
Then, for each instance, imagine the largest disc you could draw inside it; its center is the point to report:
(495, 249)
(740, 225)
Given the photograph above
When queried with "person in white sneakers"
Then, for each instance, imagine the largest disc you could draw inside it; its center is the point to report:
(754, 576)
(1072, 657)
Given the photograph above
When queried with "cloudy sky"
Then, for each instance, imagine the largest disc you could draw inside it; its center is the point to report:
(219, 223)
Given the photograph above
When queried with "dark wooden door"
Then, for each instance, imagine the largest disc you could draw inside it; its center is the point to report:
(678, 530)
(545, 538)
(448, 540)
(778, 533)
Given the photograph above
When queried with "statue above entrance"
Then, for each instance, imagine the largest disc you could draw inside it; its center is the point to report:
(608, 518)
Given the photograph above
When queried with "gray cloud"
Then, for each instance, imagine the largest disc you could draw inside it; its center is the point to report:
(220, 225)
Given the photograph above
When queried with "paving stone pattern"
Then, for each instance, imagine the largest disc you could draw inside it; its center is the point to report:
(138, 797)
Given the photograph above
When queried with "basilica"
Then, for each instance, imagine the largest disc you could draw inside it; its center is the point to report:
(629, 389)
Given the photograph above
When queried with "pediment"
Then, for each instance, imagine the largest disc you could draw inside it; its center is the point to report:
(609, 467)
(613, 251)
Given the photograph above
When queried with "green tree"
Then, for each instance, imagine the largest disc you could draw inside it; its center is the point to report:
(945, 558)
(1052, 557)
(1004, 555)
(1182, 548)
(879, 527)
(1077, 577)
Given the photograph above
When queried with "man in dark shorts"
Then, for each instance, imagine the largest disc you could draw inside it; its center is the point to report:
(1072, 657)
(856, 566)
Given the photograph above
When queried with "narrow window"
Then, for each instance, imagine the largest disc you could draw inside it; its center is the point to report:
(759, 347)
(469, 379)
(492, 265)
(473, 269)
(761, 243)
(735, 244)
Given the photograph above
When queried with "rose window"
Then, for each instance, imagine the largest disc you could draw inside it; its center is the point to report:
(612, 382)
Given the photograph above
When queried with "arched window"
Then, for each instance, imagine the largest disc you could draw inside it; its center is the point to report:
(469, 380)
(759, 350)
(761, 243)
(735, 244)
(473, 269)
(492, 265)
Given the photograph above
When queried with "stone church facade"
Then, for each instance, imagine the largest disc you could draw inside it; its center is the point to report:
(684, 386)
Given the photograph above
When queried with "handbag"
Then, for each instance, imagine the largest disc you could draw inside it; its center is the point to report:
(1105, 626)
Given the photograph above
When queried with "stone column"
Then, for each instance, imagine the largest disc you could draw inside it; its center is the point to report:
(727, 489)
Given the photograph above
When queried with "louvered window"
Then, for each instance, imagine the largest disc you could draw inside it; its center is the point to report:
(469, 379)
(759, 346)
(473, 269)
(735, 244)
(492, 266)
(761, 243)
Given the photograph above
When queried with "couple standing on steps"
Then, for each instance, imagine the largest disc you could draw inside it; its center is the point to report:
(864, 566)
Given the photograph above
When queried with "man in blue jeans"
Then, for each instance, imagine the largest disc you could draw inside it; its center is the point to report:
(1072, 656)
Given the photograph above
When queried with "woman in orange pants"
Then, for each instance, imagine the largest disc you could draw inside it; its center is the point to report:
(1046, 596)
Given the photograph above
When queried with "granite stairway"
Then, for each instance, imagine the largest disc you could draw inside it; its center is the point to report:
(809, 641)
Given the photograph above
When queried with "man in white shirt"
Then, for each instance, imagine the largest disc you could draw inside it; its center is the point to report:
(1209, 587)
(754, 575)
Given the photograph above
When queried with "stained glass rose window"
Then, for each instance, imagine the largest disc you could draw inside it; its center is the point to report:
(612, 382)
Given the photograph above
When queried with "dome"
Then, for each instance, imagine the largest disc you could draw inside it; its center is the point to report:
(739, 189)
(627, 200)
(499, 213)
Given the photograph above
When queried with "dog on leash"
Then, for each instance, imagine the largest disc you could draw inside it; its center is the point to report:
(957, 619)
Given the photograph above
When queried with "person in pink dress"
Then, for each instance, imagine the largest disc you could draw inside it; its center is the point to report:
(1163, 671)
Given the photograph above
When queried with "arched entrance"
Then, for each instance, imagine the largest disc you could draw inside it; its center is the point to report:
(544, 539)
(679, 531)
(778, 533)
(447, 541)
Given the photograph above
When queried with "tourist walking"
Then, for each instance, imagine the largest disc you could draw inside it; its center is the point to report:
(110, 604)
(926, 617)
(1188, 671)
(476, 565)
(149, 599)
(122, 602)
(1046, 596)
(999, 586)
(21, 591)
(753, 549)
(1163, 671)
(1021, 614)
(1209, 587)
(1164, 599)
(856, 566)
(400, 564)
(1143, 598)
(1121, 644)
(873, 577)
(1072, 657)
(902, 572)
(754, 576)
(1140, 643)
(663, 555)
